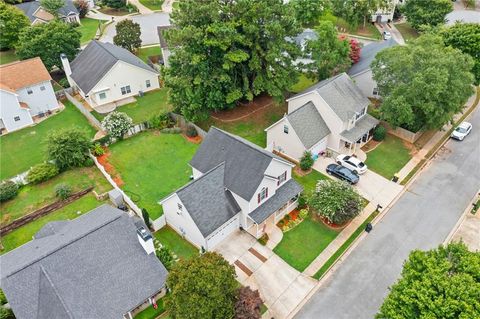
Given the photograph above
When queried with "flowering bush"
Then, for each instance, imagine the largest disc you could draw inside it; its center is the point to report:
(303, 213)
(117, 124)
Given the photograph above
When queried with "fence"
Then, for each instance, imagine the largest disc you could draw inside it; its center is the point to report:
(402, 133)
(60, 94)
(85, 112)
(183, 123)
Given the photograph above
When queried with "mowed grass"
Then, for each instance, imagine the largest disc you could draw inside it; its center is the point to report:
(302, 84)
(144, 53)
(389, 157)
(22, 149)
(25, 233)
(152, 4)
(88, 29)
(8, 56)
(309, 181)
(150, 312)
(408, 33)
(301, 245)
(32, 197)
(152, 166)
(169, 238)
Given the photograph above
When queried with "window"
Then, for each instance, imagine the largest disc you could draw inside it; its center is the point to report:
(362, 113)
(263, 194)
(16, 118)
(102, 96)
(147, 83)
(42, 88)
(29, 91)
(282, 178)
(125, 90)
(375, 91)
(285, 129)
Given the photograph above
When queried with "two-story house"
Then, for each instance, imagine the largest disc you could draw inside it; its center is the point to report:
(37, 14)
(236, 184)
(330, 115)
(26, 92)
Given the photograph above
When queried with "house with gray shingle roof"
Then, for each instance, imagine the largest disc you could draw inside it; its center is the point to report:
(236, 185)
(37, 14)
(330, 115)
(107, 76)
(99, 265)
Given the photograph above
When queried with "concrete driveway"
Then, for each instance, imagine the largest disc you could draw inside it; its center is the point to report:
(372, 186)
(281, 287)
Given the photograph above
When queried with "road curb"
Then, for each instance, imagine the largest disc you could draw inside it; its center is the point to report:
(462, 218)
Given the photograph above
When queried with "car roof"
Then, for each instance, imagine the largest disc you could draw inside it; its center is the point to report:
(354, 160)
(465, 125)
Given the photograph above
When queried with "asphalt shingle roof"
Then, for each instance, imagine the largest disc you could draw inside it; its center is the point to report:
(29, 8)
(308, 124)
(286, 192)
(367, 55)
(91, 65)
(365, 124)
(92, 267)
(208, 202)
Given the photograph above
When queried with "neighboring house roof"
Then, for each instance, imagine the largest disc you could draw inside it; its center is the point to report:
(367, 55)
(89, 267)
(341, 94)
(94, 62)
(20, 74)
(30, 9)
(306, 35)
(208, 202)
(308, 124)
(362, 126)
(283, 194)
(245, 162)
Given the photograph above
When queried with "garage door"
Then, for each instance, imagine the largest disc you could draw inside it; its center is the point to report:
(222, 233)
(319, 147)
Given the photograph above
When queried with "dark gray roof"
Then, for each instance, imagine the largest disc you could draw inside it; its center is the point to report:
(161, 35)
(245, 162)
(308, 124)
(93, 267)
(341, 94)
(365, 124)
(306, 35)
(286, 192)
(29, 8)
(208, 202)
(367, 55)
(51, 228)
(91, 65)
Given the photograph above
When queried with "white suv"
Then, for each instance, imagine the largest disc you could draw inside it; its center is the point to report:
(352, 163)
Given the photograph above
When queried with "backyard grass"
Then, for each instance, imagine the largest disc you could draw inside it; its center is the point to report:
(303, 83)
(7, 56)
(152, 103)
(32, 197)
(144, 53)
(310, 180)
(24, 148)
(152, 4)
(152, 165)
(88, 29)
(369, 31)
(182, 248)
(150, 312)
(408, 33)
(389, 157)
(301, 245)
(24, 234)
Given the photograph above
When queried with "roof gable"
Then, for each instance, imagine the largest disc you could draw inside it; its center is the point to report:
(308, 124)
(20, 74)
(30, 9)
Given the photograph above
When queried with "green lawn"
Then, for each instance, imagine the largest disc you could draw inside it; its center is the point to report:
(182, 248)
(24, 234)
(32, 197)
(152, 4)
(7, 56)
(88, 29)
(309, 181)
(408, 33)
(389, 157)
(150, 312)
(301, 245)
(144, 53)
(152, 165)
(24, 148)
(369, 31)
(303, 83)
(152, 103)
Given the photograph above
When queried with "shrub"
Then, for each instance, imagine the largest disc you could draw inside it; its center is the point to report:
(3, 299)
(379, 133)
(42, 172)
(68, 148)
(117, 124)
(63, 191)
(248, 303)
(191, 131)
(165, 256)
(88, 162)
(64, 83)
(302, 201)
(97, 149)
(303, 213)
(6, 313)
(146, 218)
(104, 140)
(161, 121)
(8, 190)
(82, 7)
(263, 240)
(375, 112)
(306, 161)
(173, 130)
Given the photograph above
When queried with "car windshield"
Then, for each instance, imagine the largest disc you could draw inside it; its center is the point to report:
(461, 130)
(346, 158)
(361, 164)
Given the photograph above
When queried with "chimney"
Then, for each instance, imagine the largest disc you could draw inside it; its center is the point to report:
(66, 65)
(146, 240)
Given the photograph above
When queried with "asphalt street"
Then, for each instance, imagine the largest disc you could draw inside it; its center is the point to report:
(421, 219)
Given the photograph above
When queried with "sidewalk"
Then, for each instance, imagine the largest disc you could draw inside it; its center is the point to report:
(141, 8)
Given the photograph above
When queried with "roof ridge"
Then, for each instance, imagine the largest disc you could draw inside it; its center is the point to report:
(309, 103)
(103, 48)
(20, 61)
(47, 276)
(200, 177)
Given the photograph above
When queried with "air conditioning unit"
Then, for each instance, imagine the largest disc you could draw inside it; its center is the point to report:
(140, 93)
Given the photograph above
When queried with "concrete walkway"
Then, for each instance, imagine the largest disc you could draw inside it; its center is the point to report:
(167, 6)
(141, 8)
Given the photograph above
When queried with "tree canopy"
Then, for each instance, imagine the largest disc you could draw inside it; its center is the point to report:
(423, 83)
(357, 11)
(203, 287)
(426, 12)
(439, 283)
(228, 51)
(307, 12)
(128, 35)
(48, 41)
(68, 148)
(13, 21)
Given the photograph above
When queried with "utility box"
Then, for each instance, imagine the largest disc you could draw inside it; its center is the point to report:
(115, 197)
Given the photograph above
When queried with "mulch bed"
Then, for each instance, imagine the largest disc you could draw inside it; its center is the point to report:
(195, 140)
(243, 110)
(103, 160)
(371, 145)
(329, 224)
(301, 172)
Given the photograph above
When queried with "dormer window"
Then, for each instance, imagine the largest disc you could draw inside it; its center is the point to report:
(263, 194)
(282, 178)
(362, 113)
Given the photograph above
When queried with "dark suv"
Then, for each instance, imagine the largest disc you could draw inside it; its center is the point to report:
(343, 173)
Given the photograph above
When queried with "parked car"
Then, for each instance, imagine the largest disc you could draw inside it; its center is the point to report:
(386, 35)
(343, 173)
(352, 163)
(461, 131)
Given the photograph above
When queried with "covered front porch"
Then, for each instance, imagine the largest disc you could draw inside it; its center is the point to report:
(352, 140)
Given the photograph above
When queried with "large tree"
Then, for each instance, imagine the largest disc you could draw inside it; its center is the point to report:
(52, 6)
(422, 83)
(48, 41)
(128, 35)
(202, 287)
(358, 11)
(466, 38)
(68, 148)
(329, 53)
(440, 283)
(426, 12)
(308, 12)
(228, 51)
(12, 22)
